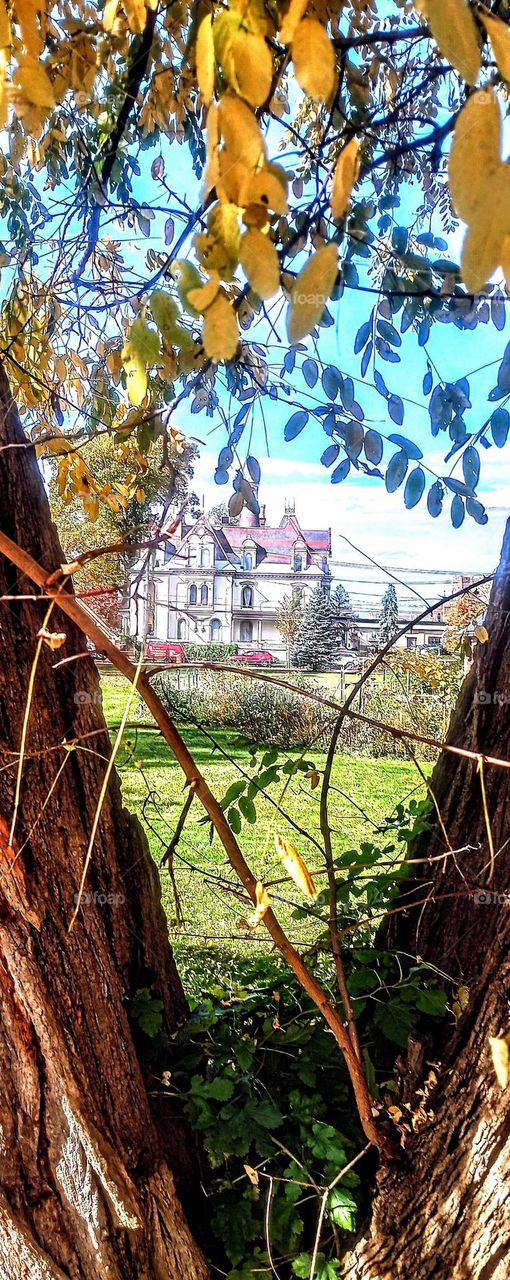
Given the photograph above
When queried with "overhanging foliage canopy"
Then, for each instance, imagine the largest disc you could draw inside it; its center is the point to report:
(316, 139)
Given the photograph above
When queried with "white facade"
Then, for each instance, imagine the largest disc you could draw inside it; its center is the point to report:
(225, 585)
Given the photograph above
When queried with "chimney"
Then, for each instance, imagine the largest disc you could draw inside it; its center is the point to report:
(262, 516)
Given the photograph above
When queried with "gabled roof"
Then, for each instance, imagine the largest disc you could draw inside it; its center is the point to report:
(276, 543)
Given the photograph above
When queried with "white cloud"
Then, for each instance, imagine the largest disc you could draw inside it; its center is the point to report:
(374, 520)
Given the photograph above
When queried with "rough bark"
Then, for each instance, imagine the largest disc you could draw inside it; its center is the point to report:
(446, 1213)
(86, 1175)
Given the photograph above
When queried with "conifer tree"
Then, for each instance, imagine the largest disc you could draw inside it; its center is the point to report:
(388, 623)
(318, 635)
(342, 608)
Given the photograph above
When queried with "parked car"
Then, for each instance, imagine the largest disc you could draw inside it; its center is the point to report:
(261, 659)
(164, 651)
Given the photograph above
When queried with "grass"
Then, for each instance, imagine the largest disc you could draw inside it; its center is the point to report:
(152, 785)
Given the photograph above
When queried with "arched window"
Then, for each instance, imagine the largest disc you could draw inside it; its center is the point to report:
(215, 629)
(205, 557)
(193, 594)
(298, 562)
(181, 629)
(204, 594)
(246, 632)
(248, 560)
(247, 598)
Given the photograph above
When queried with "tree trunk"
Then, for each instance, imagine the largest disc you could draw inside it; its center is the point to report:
(86, 1175)
(446, 1213)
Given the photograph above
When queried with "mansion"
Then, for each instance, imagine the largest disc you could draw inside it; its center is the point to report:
(225, 585)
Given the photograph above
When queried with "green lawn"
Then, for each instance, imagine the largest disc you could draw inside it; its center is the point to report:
(152, 787)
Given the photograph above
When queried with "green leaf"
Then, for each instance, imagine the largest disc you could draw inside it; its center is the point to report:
(342, 1208)
(248, 809)
(236, 789)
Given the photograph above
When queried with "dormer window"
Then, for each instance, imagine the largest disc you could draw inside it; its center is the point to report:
(299, 562)
(248, 560)
(205, 557)
(192, 554)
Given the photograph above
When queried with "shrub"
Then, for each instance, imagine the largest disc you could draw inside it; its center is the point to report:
(261, 711)
(209, 652)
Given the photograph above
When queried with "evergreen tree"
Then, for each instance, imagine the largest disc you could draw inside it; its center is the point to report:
(318, 636)
(289, 619)
(388, 623)
(342, 609)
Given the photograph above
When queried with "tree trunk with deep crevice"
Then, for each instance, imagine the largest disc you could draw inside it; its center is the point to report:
(87, 1188)
(445, 1215)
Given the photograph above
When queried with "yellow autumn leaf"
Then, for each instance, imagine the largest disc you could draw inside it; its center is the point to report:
(166, 313)
(5, 27)
(220, 333)
(296, 867)
(53, 639)
(482, 249)
(188, 277)
(310, 292)
(291, 20)
(499, 36)
(137, 14)
(313, 56)
(263, 902)
(67, 570)
(110, 14)
(345, 178)
(266, 187)
(482, 635)
(454, 30)
(217, 248)
(201, 298)
(500, 1052)
(260, 263)
(3, 94)
(475, 153)
(205, 59)
(240, 131)
(140, 349)
(35, 84)
(27, 14)
(249, 67)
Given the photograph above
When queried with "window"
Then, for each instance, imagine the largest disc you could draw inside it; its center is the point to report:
(204, 594)
(215, 629)
(411, 642)
(205, 557)
(246, 632)
(193, 594)
(247, 598)
(248, 560)
(181, 629)
(298, 562)
(192, 553)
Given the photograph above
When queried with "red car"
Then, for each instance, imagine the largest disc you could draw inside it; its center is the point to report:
(164, 651)
(261, 659)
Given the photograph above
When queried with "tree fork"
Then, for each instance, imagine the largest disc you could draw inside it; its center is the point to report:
(45, 579)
